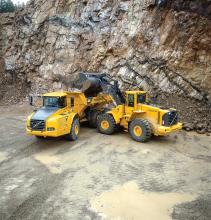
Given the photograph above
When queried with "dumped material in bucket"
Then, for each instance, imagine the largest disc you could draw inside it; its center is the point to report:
(89, 83)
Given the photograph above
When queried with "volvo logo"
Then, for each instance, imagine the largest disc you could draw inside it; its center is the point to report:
(35, 125)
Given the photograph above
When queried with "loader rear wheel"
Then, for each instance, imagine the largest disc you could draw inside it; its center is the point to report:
(74, 130)
(140, 130)
(106, 124)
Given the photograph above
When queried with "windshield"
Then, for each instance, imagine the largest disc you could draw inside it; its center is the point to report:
(141, 98)
(58, 102)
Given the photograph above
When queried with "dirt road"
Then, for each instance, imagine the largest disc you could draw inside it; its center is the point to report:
(101, 177)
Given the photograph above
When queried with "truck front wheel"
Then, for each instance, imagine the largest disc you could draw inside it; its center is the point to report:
(93, 118)
(74, 130)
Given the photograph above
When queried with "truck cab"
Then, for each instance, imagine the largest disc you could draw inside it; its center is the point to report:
(59, 115)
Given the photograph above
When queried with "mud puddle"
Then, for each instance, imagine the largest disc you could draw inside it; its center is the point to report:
(50, 160)
(128, 202)
(3, 156)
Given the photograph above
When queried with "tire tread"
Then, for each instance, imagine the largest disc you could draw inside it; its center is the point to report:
(112, 123)
(146, 125)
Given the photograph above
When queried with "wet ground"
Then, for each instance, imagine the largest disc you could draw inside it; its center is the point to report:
(102, 177)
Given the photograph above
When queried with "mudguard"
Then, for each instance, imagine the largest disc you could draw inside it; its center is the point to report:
(70, 119)
(115, 116)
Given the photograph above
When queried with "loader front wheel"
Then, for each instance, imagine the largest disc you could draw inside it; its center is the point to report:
(74, 130)
(140, 130)
(106, 124)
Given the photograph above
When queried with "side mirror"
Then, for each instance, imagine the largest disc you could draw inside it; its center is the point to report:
(31, 100)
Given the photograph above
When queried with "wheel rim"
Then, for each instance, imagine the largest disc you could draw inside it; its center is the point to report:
(137, 130)
(104, 125)
(76, 129)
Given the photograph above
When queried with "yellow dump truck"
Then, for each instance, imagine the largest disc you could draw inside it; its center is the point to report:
(61, 113)
(104, 106)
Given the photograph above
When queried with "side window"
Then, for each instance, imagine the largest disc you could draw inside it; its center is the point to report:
(62, 102)
(141, 98)
(130, 100)
(72, 102)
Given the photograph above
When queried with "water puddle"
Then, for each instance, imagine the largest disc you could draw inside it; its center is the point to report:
(128, 202)
(3, 156)
(51, 161)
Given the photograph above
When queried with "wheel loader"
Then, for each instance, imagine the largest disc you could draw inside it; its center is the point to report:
(101, 103)
(131, 111)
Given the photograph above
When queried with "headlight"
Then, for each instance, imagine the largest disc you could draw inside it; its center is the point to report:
(51, 129)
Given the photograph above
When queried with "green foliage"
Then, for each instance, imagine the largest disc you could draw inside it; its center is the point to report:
(19, 6)
(6, 6)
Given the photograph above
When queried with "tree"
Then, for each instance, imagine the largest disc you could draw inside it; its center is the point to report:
(19, 5)
(6, 6)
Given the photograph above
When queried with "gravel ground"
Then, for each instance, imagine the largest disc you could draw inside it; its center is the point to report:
(101, 177)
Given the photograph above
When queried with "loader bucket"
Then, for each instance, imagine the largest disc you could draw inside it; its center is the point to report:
(88, 83)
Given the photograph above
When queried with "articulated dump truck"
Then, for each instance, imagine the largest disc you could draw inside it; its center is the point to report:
(101, 103)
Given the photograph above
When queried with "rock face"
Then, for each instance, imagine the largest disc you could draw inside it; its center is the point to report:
(12, 84)
(162, 46)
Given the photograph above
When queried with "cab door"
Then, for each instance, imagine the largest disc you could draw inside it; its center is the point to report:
(130, 104)
(72, 103)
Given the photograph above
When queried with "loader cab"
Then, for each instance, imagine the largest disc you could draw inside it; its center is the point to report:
(133, 99)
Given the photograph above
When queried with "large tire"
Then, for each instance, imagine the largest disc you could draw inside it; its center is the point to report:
(74, 130)
(140, 130)
(92, 119)
(106, 124)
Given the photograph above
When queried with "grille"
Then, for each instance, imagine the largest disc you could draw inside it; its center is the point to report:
(170, 118)
(37, 125)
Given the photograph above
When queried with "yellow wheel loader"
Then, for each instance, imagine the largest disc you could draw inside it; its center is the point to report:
(139, 118)
(131, 111)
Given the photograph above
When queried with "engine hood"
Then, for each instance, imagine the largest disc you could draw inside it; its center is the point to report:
(43, 113)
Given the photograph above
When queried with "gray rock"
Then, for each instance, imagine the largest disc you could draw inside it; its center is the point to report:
(188, 126)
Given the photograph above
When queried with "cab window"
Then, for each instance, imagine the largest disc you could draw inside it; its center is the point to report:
(141, 98)
(54, 102)
(130, 100)
(72, 102)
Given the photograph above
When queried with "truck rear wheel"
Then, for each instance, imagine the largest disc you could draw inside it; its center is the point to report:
(39, 137)
(140, 130)
(106, 124)
(93, 118)
(74, 130)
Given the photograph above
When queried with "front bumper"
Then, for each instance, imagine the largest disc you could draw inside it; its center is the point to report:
(163, 130)
(43, 133)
